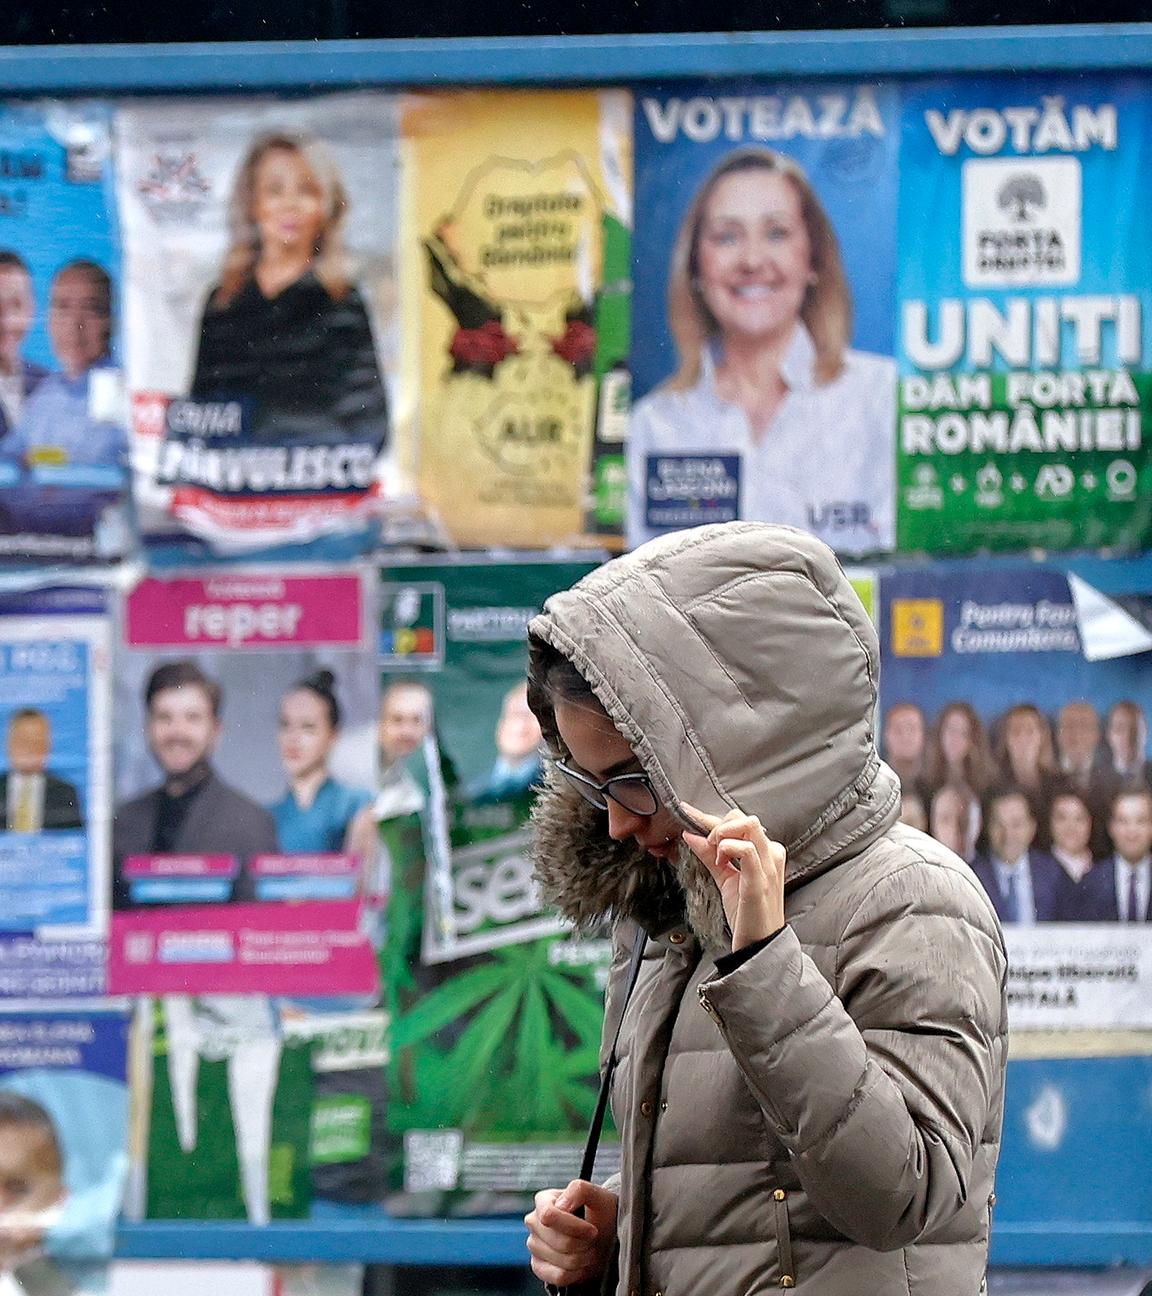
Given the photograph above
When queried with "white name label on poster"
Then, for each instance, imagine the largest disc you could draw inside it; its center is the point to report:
(1066, 976)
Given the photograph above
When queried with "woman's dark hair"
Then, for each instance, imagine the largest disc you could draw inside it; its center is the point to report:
(323, 684)
(558, 678)
(553, 678)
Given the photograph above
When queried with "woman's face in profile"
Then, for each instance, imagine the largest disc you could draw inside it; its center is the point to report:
(1071, 825)
(753, 258)
(955, 737)
(306, 734)
(288, 205)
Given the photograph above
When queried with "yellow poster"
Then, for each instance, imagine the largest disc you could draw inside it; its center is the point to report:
(516, 293)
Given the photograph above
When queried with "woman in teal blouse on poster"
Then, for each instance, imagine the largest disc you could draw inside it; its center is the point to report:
(317, 814)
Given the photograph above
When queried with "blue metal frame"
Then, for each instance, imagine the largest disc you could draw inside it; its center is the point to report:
(501, 1243)
(585, 60)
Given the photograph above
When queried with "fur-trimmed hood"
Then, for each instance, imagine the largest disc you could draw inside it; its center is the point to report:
(741, 666)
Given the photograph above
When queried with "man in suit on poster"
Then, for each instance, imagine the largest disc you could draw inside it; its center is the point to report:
(19, 378)
(193, 811)
(33, 800)
(1025, 885)
(1119, 888)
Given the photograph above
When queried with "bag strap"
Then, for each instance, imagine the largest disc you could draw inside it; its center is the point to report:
(596, 1125)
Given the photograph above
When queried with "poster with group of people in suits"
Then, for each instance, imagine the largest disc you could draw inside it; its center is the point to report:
(1014, 708)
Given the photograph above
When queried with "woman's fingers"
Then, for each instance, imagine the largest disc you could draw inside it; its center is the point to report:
(566, 1248)
(747, 867)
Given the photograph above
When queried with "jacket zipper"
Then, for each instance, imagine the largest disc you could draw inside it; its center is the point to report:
(784, 1239)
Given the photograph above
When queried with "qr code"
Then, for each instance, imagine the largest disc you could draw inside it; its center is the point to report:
(432, 1160)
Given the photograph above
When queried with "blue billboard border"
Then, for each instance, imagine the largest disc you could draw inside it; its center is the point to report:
(567, 60)
(500, 1243)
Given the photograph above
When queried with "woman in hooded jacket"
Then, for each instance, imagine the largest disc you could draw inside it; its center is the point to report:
(810, 1067)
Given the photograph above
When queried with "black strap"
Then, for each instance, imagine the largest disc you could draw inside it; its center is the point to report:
(596, 1125)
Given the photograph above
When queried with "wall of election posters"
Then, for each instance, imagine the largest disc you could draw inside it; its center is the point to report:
(308, 401)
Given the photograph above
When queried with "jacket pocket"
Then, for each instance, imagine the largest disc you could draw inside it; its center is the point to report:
(783, 1238)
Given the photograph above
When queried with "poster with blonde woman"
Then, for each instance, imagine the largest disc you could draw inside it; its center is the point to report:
(765, 261)
(258, 293)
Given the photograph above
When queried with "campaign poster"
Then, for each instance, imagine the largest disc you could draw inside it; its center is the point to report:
(221, 1102)
(251, 1108)
(64, 1132)
(259, 288)
(516, 292)
(55, 784)
(495, 1006)
(63, 413)
(1025, 291)
(243, 840)
(1014, 705)
(765, 271)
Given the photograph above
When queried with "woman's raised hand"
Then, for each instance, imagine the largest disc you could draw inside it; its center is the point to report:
(747, 866)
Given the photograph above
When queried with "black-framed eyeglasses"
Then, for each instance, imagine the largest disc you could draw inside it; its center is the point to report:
(632, 791)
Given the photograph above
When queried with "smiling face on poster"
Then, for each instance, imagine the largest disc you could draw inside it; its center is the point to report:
(245, 764)
(259, 287)
(63, 437)
(765, 263)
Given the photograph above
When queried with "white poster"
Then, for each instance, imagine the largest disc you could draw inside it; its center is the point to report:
(258, 293)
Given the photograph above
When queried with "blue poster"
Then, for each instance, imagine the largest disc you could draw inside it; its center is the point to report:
(64, 1130)
(1014, 707)
(765, 271)
(1025, 291)
(63, 439)
(54, 781)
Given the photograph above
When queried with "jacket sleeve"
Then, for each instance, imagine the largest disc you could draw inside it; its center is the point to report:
(880, 1090)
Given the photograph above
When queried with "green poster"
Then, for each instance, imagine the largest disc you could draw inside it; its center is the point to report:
(1025, 297)
(230, 1111)
(496, 1008)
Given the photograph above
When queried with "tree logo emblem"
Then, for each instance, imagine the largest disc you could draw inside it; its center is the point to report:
(1022, 196)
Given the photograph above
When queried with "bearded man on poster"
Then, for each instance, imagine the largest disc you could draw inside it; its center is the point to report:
(193, 811)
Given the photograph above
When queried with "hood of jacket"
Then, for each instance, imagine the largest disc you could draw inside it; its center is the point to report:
(740, 665)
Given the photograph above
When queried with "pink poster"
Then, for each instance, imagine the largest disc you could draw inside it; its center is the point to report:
(244, 845)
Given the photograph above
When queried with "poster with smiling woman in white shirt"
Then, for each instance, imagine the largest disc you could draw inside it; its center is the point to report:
(763, 371)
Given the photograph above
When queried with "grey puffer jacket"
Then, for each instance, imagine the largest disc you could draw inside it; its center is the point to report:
(827, 1114)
